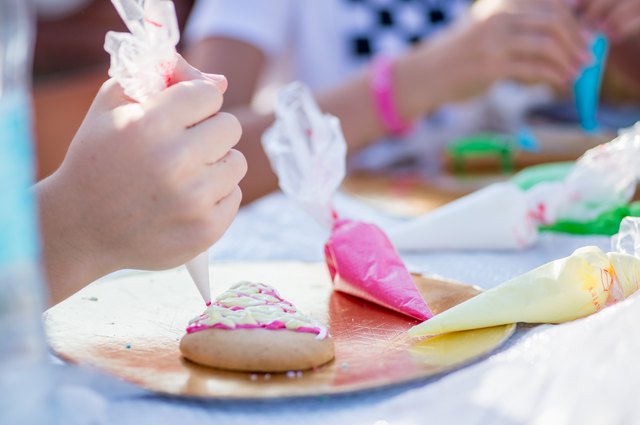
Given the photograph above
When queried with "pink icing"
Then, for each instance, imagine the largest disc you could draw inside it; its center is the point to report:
(363, 262)
(271, 326)
(286, 307)
(275, 325)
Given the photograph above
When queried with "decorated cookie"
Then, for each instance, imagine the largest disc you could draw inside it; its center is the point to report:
(251, 328)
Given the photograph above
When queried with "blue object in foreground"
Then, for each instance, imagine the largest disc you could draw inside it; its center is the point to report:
(586, 89)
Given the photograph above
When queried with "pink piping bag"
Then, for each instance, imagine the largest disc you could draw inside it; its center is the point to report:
(307, 151)
(143, 62)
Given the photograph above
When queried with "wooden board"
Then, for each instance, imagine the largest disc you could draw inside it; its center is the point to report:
(410, 196)
(130, 326)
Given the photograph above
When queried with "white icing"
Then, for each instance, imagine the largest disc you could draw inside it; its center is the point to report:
(256, 305)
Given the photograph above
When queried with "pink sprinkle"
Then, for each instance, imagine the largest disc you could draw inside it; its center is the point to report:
(308, 330)
(168, 80)
(208, 303)
(275, 325)
(154, 23)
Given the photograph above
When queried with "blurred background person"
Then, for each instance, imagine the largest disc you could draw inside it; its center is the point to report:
(407, 76)
(443, 52)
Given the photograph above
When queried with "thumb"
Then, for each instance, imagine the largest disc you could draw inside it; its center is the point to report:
(110, 96)
(185, 72)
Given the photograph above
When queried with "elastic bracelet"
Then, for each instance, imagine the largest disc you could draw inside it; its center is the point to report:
(381, 82)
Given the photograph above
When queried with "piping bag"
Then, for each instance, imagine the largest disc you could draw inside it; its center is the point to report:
(562, 290)
(143, 61)
(503, 216)
(307, 151)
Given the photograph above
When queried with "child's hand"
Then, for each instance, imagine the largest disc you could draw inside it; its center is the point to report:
(617, 19)
(530, 40)
(145, 186)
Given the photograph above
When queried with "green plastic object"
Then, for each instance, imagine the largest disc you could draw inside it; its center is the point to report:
(482, 145)
(607, 223)
(551, 172)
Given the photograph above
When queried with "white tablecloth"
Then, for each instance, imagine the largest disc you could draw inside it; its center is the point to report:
(584, 372)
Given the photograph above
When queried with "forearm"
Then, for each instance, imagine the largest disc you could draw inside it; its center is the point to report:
(68, 262)
(260, 179)
(419, 86)
(624, 58)
(351, 102)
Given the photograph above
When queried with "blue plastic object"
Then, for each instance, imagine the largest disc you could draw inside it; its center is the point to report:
(586, 88)
(527, 141)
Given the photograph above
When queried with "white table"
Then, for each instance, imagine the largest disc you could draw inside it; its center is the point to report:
(584, 372)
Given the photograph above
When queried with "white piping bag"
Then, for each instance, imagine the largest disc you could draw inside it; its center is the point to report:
(199, 270)
(143, 62)
(503, 216)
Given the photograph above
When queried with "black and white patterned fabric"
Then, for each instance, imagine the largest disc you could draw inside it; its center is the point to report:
(391, 26)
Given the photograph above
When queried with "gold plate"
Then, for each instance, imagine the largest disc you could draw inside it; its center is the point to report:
(130, 326)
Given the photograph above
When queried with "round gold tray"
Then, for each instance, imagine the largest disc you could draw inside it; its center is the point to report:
(130, 327)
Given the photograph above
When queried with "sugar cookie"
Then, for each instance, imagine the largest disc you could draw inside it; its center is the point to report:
(251, 328)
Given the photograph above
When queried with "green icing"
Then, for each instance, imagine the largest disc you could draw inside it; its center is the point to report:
(607, 223)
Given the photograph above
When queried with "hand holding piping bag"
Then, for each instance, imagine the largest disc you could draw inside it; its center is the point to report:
(617, 20)
(143, 62)
(562, 290)
(617, 28)
(143, 185)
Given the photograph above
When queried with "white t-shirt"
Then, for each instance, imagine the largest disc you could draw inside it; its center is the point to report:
(324, 42)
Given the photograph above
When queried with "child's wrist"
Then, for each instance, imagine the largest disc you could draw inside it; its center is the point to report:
(385, 96)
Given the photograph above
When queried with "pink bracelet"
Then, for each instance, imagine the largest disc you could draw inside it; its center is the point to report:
(381, 82)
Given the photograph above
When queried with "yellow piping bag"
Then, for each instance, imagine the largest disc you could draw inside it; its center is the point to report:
(559, 291)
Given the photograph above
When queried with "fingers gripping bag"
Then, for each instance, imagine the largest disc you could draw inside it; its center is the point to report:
(307, 151)
(142, 62)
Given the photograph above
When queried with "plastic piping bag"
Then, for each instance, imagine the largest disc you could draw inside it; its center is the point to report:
(143, 61)
(307, 151)
(503, 216)
(562, 290)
